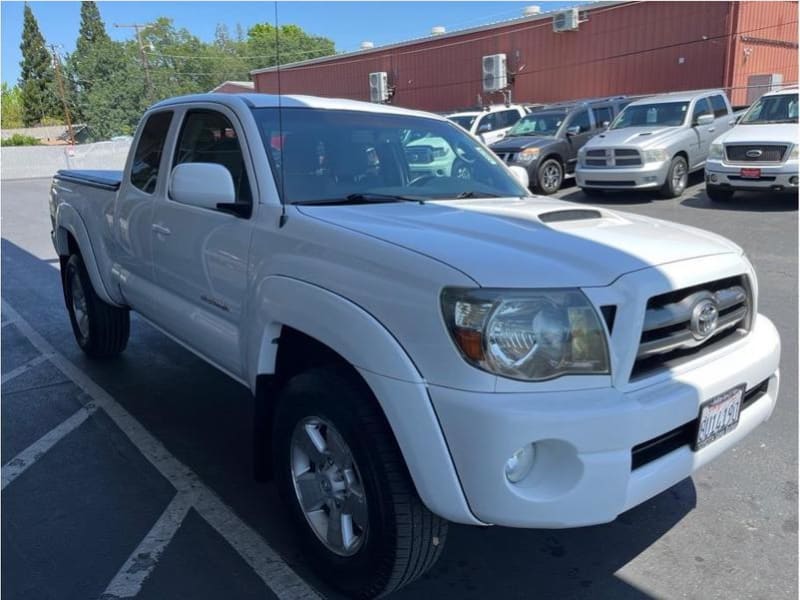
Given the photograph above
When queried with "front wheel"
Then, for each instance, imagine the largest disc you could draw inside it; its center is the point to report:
(677, 178)
(362, 526)
(549, 177)
(100, 329)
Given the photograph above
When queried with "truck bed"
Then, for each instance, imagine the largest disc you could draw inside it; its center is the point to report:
(106, 180)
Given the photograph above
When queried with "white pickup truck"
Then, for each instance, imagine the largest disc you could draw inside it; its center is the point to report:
(423, 348)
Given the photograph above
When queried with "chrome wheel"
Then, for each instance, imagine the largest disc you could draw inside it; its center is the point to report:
(550, 177)
(680, 176)
(328, 486)
(79, 309)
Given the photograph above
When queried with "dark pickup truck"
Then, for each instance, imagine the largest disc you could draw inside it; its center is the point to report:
(546, 141)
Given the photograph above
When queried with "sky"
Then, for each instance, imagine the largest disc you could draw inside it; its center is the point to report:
(346, 23)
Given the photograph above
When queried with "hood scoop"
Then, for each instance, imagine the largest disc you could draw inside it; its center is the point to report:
(575, 214)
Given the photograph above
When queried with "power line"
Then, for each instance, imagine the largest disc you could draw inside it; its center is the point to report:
(138, 27)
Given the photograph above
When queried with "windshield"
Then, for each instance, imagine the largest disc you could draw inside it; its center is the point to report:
(325, 155)
(660, 114)
(772, 109)
(464, 121)
(538, 123)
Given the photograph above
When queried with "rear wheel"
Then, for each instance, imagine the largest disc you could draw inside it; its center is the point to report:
(677, 178)
(100, 329)
(362, 526)
(549, 177)
(718, 195)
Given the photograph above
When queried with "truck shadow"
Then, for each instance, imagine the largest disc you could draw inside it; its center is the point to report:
(205, 419)
(745, 202)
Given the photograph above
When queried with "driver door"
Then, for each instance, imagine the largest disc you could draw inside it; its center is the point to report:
(581, 124)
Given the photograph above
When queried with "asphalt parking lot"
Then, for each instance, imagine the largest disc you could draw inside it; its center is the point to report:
(132, 477)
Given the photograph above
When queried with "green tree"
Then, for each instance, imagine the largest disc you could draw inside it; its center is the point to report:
(11, 107)
(80, 64)
(36, 79)
(92, 30)
(288, 44)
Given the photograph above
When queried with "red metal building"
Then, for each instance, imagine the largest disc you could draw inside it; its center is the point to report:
(617, 48)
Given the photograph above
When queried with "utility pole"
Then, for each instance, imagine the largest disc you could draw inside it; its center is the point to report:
(138, 28)
(62, 92)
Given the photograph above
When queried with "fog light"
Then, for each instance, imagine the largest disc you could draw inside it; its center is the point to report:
(714, 179)
(793, 180)
(520, 463)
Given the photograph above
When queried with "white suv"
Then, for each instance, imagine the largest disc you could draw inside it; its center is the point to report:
(760, 153)
(492, 124)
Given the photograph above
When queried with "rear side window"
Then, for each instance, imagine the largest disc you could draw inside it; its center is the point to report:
(719, 106)
(507, 118)
(602, 114)
(208, 136)
(146, 160)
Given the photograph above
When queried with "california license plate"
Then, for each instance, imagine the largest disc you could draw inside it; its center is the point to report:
(750, 173)
(719, 416)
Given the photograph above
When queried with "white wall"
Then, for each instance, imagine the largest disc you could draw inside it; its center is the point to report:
(29, 162)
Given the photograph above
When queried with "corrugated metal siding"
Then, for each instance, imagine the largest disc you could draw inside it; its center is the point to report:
(771, 48)
(632, 48)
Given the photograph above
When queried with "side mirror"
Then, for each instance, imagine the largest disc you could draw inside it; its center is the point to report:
(704, 120)
(521, 175)
(605, 124)
(206, 185)
(484, 128)
(573, 130)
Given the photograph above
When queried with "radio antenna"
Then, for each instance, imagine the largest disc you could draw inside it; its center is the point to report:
(283, 217)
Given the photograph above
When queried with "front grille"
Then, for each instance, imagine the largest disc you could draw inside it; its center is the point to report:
(661, 445)
(617, 157)
(759, 153)
(675, 331)
(507, 157)
(762, 178)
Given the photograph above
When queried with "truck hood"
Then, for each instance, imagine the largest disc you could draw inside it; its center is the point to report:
(528, 242)
(520, 142)
(783, 133)
(642, 137)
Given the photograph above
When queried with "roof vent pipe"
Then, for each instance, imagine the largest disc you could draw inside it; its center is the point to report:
(438, 30)
(367, 45)
(531, 10)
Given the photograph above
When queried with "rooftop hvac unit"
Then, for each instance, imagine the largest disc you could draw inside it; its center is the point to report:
(495, 76)
(566, 20)
(378, 87)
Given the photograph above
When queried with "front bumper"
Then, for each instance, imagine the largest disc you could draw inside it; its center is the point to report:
(647, 176)
(776, 178)
(583, 472)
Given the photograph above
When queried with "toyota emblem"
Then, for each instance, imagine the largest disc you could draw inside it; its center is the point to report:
(704, 318)
(754, 153)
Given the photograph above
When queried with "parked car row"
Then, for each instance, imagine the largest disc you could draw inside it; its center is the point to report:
(652, 143)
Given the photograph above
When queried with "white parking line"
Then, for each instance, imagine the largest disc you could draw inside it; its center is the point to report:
(22, 368)
(20, 463)
(280, 578)
(129, 580)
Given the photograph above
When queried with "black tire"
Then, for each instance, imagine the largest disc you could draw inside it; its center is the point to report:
(592, 192)
(718, 195)
(677, 178)
(403, 538)
(549, 177)
(104, 329)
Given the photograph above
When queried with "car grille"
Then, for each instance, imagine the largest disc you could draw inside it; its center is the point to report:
(761, 153)
(674, 331)
(507, 157)
(616, 157)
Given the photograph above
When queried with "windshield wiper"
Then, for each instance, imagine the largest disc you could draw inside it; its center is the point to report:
(362, 198)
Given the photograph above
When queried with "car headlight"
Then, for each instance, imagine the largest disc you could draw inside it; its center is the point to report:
(528, 155)
(529, 335)
(795, 153)
(715, 151)
(657, 155)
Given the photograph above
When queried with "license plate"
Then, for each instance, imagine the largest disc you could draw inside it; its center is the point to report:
(750, 173)
(719, 416)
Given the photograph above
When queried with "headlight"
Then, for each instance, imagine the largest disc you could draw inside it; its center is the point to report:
(657, 155)
(715, 151)
(795, 153)
(529, 335)
(528, 155)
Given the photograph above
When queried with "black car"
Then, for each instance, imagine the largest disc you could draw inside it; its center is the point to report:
(546, 141)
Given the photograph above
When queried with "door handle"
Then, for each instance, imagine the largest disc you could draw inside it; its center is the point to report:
(712, 129)
(160, 229)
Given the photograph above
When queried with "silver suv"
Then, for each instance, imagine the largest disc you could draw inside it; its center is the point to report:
(655, 143)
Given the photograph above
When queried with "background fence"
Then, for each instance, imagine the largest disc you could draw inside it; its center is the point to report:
(28, 162)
